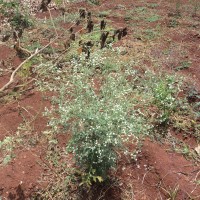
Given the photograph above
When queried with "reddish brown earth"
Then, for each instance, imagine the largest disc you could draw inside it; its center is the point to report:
(157, 170)
(8, 58)
(20, 177)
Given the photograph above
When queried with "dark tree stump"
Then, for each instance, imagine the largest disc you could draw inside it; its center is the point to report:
(103, 39)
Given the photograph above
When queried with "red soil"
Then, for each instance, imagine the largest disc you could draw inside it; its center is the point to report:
(7, 58)
(157, 169)
(20, 177)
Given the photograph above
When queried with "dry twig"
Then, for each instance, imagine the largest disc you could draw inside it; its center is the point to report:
(25, 61)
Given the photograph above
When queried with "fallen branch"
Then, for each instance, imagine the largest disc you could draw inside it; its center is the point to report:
(25, 61)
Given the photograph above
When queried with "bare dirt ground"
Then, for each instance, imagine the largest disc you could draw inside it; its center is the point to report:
(155, 39)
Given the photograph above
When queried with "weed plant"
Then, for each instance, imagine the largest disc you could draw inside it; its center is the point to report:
(6, 147)
(164, 92)
(126, 105)
(99, 121)
(95, 2)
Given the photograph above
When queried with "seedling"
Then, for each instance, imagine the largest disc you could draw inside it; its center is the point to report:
(6, 147)
(173, 23)
(95, 2)
(183, 65)
(172, 192)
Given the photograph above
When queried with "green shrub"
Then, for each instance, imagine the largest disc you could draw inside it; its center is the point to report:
(164, 91)
(99, 121)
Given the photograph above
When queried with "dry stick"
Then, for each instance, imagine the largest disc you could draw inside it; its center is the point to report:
(195, 179)
(25, 61)
(53, 22)
(144, 177)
